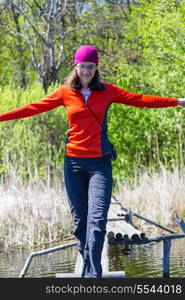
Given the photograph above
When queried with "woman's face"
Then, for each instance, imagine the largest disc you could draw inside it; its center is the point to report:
(86, 72)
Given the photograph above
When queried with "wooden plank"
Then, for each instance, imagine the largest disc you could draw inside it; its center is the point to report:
(118, 224)
(105, 256)
(116, 274)
(146, 240)
(68, 275)
(79, 264)
(104, 259)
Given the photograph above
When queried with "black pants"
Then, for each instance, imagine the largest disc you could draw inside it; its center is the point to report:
(88, 184)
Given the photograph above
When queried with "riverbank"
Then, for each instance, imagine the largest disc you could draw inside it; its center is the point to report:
(38, 214)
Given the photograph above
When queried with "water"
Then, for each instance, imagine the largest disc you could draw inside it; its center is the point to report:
(142, 261)
(146, 261)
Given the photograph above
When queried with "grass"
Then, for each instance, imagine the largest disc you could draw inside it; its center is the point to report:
(38, 214)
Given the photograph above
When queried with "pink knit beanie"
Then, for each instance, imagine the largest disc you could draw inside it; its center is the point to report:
(86, 53)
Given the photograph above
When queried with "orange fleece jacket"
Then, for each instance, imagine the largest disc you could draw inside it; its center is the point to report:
(86, 138)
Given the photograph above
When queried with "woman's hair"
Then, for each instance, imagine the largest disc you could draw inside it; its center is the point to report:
(73, 81)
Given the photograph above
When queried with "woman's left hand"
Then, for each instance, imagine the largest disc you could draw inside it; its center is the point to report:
(181, 101)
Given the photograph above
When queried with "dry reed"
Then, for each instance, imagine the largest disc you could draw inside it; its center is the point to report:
(38, 213)
(157, 196)
(35, 214)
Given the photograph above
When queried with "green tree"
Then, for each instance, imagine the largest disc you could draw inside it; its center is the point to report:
(154, 43)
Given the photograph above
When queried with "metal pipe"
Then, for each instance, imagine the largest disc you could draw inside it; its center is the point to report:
(42, 252)
(166, 258)
(181, 222)
(145, 219)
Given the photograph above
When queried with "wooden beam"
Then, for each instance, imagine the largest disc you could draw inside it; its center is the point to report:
(145, 240)
(105, 257)
(116, 274)
(79, 264)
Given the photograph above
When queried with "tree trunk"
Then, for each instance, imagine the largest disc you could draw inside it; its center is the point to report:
(19, 48)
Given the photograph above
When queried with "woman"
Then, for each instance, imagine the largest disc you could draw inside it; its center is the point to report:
(87, 165)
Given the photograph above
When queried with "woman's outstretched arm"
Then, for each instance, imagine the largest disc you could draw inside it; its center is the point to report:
(139, 100)
(47, 103)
